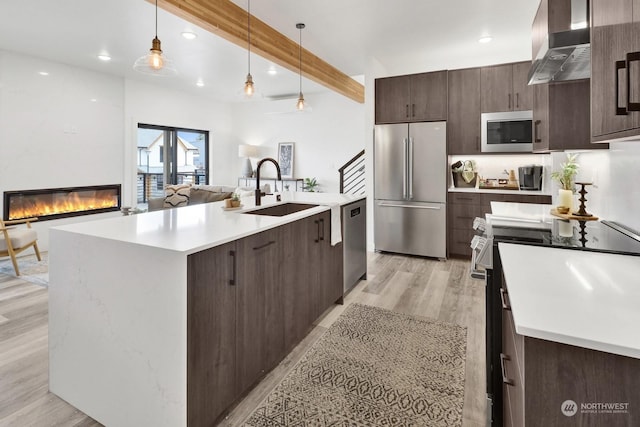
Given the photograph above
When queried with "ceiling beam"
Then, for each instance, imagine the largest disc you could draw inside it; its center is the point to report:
(229, 21)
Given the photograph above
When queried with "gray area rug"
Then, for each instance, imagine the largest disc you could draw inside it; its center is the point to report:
(373, 367)
(31, 270)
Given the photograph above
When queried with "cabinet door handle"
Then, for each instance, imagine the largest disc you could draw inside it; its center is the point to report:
(317, 239)
(620, 111)
(406, 112)
(322, 229)
(518, 100)
(269, 243)
(509, 101)
(413, 110)
(503, 369)
(503, 298)
(535, 131)
(631, 57)
(232, 281)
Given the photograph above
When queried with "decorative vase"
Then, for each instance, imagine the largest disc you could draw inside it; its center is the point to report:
(565, 198)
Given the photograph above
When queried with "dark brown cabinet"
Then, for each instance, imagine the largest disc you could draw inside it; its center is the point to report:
(249, 302)
(464, 207)
(615, 70)
(561, 116)
(504, 88)
(211, 338)
(411, 98)
(463, 122)
(259, 309)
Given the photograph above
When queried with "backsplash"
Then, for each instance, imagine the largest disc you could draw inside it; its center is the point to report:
(493, 166)
(615, 173)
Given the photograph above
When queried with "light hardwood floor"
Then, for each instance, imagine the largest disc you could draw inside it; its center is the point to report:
(436, 289)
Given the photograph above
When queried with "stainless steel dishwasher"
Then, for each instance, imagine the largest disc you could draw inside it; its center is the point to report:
(354, 238)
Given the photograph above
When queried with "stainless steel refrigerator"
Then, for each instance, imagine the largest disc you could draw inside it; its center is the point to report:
(410, 188)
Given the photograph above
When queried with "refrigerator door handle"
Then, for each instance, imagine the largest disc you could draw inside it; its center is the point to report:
(410, 176)
(404, 167)
(395, 205)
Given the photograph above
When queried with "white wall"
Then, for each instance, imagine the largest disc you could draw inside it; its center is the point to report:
(60, 130)
(325, 138)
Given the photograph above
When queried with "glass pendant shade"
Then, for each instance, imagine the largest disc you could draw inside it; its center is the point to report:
(154, 62)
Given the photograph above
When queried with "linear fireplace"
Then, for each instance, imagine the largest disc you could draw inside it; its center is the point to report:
(55, 203)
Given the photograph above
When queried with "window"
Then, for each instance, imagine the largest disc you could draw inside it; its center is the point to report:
(168, 155)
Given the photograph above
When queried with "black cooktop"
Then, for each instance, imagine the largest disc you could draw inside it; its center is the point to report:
(599, 236)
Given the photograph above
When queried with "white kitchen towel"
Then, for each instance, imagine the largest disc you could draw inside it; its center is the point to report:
(336, 225)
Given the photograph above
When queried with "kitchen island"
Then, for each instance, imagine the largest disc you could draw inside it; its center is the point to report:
(570, 345)
(166, 318)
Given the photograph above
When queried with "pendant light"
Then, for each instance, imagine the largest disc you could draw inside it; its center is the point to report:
(300, 103)
(248, 85)
(154, 62)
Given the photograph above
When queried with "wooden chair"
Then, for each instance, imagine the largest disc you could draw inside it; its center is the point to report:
(14, 240)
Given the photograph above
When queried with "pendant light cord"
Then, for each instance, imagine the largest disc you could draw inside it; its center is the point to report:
(249, 34)
(156, 18)
(299, 57)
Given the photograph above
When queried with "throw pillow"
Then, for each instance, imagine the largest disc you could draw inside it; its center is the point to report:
(198, 195)
(177, 195)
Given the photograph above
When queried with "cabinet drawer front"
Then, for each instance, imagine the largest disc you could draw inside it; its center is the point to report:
(465, 198)
(462, 216)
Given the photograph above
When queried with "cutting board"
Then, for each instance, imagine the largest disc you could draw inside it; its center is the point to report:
(499, 187)
(555, 212)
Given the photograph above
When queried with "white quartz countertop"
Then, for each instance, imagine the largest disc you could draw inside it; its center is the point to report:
(191, 229)
(497, 191)
(581, 298)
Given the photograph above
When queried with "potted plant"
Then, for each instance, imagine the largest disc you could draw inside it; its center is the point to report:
(235, 200)
(566, 178)
(310, 185)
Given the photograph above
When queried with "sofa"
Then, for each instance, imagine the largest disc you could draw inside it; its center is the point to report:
(187, 194)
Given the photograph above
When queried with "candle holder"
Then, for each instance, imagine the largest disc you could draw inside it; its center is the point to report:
(582, 211)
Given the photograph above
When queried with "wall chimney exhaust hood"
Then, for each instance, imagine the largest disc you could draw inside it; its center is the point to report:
(565, 55)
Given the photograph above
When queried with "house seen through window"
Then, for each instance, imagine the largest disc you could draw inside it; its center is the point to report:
(168, 155)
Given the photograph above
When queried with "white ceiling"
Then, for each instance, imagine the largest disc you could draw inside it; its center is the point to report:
(404, 36)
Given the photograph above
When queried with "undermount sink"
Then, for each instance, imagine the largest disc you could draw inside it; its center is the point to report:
(282, 209)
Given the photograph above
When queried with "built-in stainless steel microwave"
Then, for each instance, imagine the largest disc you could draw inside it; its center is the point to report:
(508, 132)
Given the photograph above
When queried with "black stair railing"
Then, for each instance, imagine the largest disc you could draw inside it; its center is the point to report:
(352, 175)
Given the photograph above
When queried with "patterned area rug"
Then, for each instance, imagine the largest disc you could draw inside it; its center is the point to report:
(31, 269)
(373, 367)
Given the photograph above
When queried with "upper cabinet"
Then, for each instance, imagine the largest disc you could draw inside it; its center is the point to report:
(463, 127)
(412, 98)
(504, 88)
(561, 116)
(615, 69)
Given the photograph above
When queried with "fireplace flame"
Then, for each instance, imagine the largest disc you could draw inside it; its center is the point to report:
(37, 206)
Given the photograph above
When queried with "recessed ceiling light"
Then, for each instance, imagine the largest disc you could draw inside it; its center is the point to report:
(189, 35)
(199, 83)
(93, 100)
(272, 70)
(485, 39)
(43, 73)
(104, 57)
